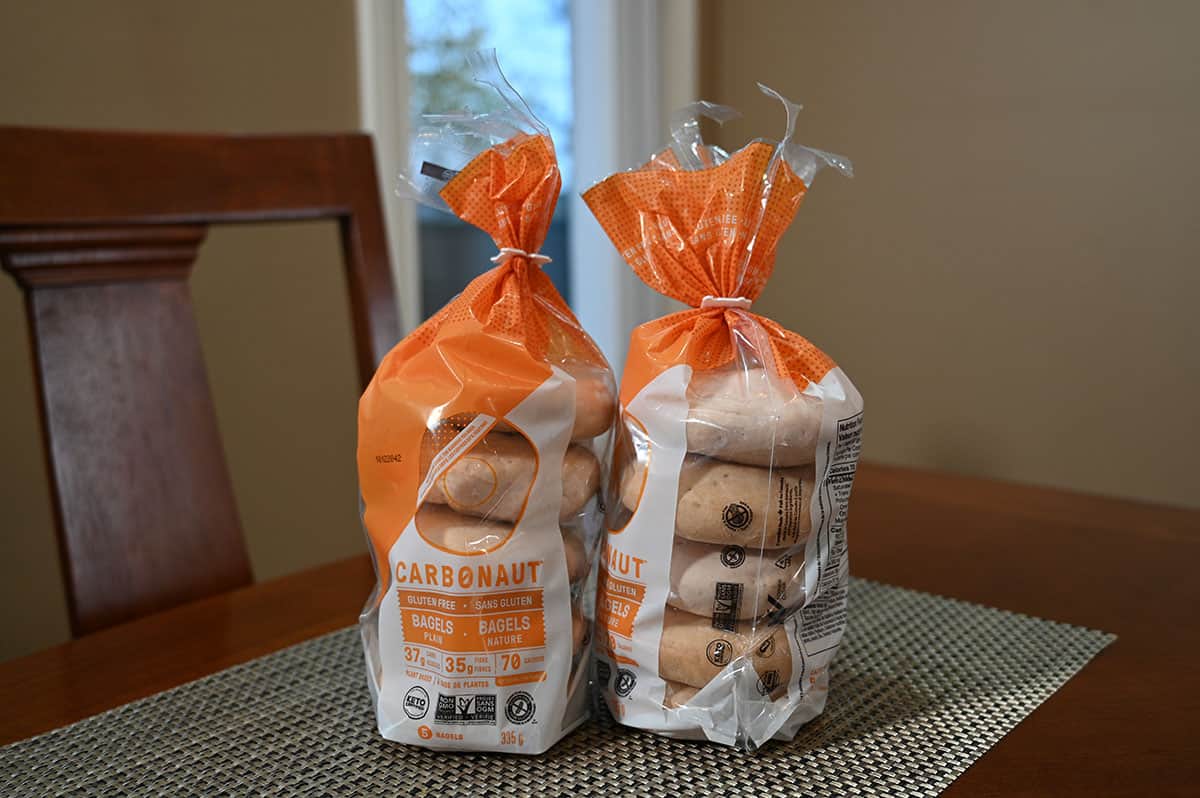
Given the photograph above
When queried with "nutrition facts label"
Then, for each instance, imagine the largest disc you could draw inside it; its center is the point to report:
(823, 620)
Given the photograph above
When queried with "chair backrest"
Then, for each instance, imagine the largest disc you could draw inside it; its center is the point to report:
(101, 229)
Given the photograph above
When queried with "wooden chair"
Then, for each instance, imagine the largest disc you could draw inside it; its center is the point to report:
(100, 230)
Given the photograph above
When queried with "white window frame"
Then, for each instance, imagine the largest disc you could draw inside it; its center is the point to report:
(634, 62)
(383, 112)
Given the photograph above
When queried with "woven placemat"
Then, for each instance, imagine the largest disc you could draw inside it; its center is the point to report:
(923, 686)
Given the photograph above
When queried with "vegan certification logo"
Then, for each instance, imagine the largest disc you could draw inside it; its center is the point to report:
(478, 709)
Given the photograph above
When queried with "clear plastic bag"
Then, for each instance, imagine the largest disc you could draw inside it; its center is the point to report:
(722, 584)
(484, 440)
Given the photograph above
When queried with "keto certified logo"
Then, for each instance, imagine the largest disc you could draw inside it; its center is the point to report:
(416, 703)
(737, 516)
(719, 652)
(520, 707)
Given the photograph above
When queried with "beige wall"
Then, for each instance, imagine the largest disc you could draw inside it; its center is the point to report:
(270, 300)
(1012, 278)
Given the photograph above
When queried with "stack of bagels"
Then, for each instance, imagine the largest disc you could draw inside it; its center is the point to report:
(477, 503)
(742, 517)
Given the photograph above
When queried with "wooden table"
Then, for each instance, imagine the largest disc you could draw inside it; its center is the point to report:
(1124, 726)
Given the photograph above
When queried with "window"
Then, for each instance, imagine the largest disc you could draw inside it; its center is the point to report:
(533, 41)
(602, 74)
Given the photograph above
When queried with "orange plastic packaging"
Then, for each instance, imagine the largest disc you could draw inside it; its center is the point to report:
(722, 582)
(483, 441)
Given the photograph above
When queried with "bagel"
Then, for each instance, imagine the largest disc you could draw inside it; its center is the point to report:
(464, 534)
(691, 652)
(749, 416)
(729, 503)
(492, 480)
(460, 534)
(579, 631)
(577, 564)
(678, 695)
(730, 583)
(595, 400)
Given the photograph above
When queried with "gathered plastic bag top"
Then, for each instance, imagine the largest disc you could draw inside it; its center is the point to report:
(509, 191)
(704, 230)
(497, 171)
(484, 440)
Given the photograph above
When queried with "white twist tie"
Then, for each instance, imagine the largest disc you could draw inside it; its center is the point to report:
(508, 253)
(739, 302)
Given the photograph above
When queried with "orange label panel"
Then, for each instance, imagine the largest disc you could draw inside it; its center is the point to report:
(468, 633)
(611, 647)
(617, 603)
(471, 604)
(520, 678)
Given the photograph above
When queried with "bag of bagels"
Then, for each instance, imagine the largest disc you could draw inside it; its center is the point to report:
(722, 580)
(482, 442)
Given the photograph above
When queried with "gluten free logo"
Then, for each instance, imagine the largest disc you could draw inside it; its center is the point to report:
(737, 516)
(520, 707)
(625, 682)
